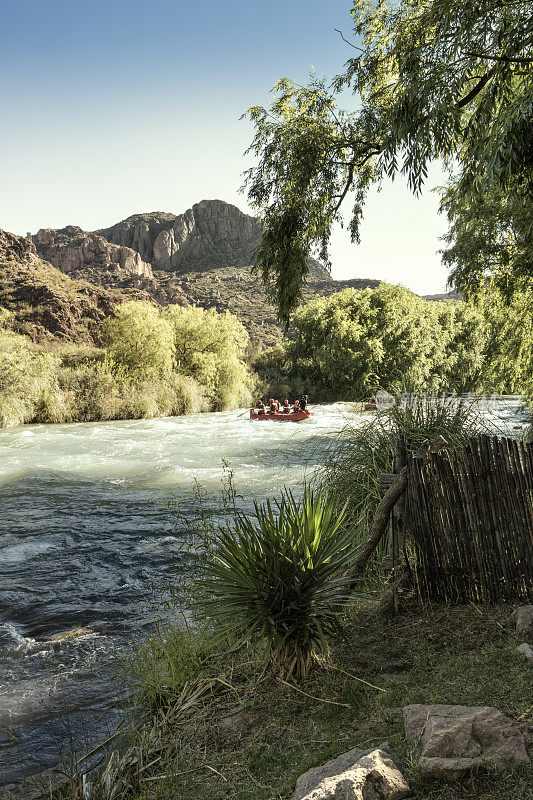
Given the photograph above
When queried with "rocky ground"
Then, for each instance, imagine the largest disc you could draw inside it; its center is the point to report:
(44, 302)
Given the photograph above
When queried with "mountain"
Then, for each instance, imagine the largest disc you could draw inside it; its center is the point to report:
(79, 253)
(210, 235)
(200, 257)
(46, 303)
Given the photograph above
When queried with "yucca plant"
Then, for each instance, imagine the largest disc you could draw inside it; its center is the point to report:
(277, 579)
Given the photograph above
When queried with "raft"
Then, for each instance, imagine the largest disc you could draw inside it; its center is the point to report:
(293, 416)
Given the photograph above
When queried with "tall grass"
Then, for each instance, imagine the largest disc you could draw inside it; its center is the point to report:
(364, 449)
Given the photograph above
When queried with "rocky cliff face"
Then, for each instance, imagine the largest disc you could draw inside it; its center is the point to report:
(202, 256)
(45, 302)
(210, 235)
(83, 254)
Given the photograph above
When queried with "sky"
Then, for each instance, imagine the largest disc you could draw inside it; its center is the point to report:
(115, 107)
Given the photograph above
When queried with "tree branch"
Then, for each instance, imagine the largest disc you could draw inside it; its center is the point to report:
(347, 42)
(476, 90)
(506, 59)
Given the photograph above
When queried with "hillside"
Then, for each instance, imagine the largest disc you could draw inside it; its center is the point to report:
(45, 302)
(202, 256)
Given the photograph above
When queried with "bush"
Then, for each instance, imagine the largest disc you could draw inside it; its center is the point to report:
(276, 579)
(27, 376)
(210, 347)
(140, 339)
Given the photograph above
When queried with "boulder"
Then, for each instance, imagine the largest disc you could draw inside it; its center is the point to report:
(355, 775)
(527, 651)
(451, 740)
(524, 621)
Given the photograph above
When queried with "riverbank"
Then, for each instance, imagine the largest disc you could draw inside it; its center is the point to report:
(224, 729)
(89, 539)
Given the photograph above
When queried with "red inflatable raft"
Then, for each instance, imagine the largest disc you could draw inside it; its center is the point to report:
(293, 416)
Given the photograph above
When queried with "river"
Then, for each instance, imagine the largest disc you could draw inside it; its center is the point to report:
(88, 542)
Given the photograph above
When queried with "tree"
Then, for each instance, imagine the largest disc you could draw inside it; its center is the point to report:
(210, 348)
(490, 237)
(441, 79)
(347, 345)
(140, 339)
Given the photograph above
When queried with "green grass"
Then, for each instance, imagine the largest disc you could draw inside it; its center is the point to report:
(250, 737)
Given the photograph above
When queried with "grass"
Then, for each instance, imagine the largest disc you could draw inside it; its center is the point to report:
(364, 450)
(246, 736)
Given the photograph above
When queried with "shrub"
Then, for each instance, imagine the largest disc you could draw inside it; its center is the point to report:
(140, 339)
(210, 347)
(276, 579)
(27, 373)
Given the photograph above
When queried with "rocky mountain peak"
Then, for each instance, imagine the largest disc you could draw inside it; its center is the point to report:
(212, 234)
(79, 253)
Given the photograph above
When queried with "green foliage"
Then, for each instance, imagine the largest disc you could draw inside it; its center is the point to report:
(346, 346)
(436, 80)
(210, 347)
(277, 579)
(490, 236)
(164, 663)
(27, 374)
(137, 376)
(361, 453)
(140, 339)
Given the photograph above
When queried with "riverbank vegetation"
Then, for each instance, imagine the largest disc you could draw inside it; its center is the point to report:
(347, 345)
(220, 727)
(155, 362)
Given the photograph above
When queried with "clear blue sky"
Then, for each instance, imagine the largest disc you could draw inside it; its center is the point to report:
(115, 107)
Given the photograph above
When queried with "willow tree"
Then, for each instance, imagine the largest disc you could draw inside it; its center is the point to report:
(439, 79)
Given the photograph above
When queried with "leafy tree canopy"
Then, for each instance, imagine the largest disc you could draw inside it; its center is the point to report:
(440, 79)
(141, 340)
(210, 347)
(349, 344)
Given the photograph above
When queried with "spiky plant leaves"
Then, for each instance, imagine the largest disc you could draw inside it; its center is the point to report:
(277, 579)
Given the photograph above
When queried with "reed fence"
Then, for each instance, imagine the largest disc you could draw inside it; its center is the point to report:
(469, 514)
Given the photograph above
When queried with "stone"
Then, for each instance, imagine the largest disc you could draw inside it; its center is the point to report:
(450, 740)
(527, 651)
(355, 775)
(524, 620)
(77, 252)
(210, 235)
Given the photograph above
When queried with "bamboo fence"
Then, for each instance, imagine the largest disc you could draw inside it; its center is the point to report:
(469, 517)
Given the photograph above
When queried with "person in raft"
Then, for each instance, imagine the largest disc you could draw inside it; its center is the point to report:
(274, 406)
(296, 406)
(286, 407)
(303, 402)
(260, 407)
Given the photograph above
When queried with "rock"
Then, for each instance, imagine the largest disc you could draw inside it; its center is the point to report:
(355, 775)
(75, 633)
(524, 620)
(77, 252)
(527, 651)
(210, 235)
(44, 301)
(453, 739)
